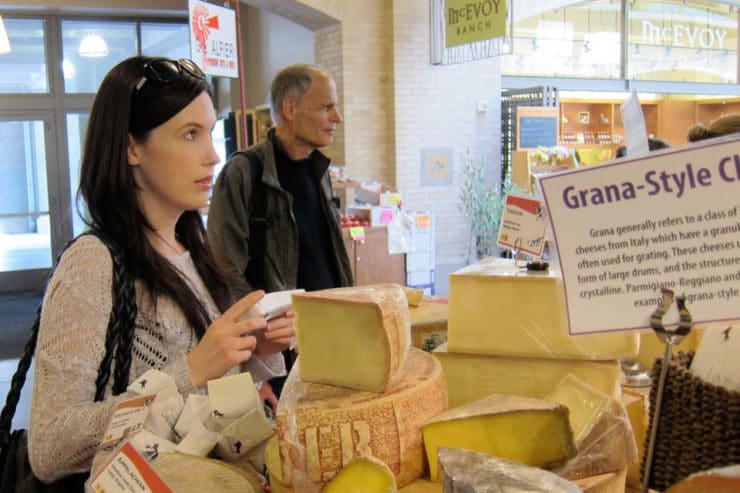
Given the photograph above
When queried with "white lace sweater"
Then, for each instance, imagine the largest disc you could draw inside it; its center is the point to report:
(66, 424)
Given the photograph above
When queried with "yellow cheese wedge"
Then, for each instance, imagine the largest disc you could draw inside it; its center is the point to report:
(531, 431)
(321, 428)
(473, 472)
(473, 376)
(429, 323)
(363, 475)
(353, 337)
(636, 406)
(498, 308)
(601, 429)
(413, 295)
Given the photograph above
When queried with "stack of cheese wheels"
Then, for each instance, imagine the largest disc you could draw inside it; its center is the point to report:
(507, 334)
(357, 390)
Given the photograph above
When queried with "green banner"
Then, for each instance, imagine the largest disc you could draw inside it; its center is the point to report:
(467, 21)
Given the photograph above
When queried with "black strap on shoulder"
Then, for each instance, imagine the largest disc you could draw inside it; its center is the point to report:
(257, 223)
(123, 297)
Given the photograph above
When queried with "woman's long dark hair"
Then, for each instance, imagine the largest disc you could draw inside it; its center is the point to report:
(110, 193)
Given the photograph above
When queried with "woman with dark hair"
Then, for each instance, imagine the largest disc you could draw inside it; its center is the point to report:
(147, 169)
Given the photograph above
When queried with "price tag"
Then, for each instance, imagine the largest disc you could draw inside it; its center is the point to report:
(394, 198)
(357, 233)
(128, 418)
(423, 220)
(386, 215)
(522, 225)
(127, 472)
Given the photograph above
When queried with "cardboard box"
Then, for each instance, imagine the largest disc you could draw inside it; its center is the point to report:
(383, 195)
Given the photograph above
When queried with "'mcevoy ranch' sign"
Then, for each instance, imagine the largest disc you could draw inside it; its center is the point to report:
(467, 21)
(683, 35)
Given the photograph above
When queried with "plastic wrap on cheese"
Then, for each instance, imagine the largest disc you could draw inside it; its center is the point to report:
(498, 308)
(354, 337)
(464, 471)
(320, 428)
(601, 427)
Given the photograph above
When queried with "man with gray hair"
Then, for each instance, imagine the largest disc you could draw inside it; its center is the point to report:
(271, 217)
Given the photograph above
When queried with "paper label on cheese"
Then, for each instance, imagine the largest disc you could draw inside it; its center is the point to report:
(128, 418)
(128, 472)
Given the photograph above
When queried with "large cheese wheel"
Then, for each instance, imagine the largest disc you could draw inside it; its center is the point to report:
(353, 337)
(498, 308)
(321, 428)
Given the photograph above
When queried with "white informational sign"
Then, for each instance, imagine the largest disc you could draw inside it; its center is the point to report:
(522, 225)
(627, 228)
(213, 39)
(634, 126)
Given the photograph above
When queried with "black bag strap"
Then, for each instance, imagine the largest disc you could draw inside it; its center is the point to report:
(257, 223)
(118, 340)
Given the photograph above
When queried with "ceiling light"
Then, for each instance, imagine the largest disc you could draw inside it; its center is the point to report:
(93, 46)
(4, 41)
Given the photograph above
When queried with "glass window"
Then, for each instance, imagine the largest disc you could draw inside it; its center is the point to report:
(24, 70)
(169, 40)
(576, 41)
(684, 42)
(76, 128)
(91, 48)
(25, 240)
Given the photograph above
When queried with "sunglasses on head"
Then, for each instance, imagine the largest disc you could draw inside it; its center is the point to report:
(162, 71)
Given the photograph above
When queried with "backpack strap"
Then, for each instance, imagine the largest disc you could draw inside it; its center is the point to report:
(257, 223)
(120, 327)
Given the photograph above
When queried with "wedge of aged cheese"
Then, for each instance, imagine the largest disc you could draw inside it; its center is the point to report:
(498, 308)
(601, 429)
(363, 475)
(531, 431)
(203, 475)
(473, 376)
(429, 323)
(465, 471)
(353, 337)
(636, 406)
(320, 428)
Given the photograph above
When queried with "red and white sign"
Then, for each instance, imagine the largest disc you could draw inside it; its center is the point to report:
(213, 39)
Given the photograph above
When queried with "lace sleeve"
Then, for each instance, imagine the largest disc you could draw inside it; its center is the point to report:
(66, 425)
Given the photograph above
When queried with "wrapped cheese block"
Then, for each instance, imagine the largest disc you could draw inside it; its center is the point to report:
(354, 337)
(531, 431)
(498, 308)
(363, 475)
(473, 376)
(429, 323)
(321, 428)
(465, 471)
(601, 429)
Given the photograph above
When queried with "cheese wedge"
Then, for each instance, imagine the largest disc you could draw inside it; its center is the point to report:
(465, 471)
(353, 337)
(531, 431)
(500, 309)
(321, 428)
(363, 475)
(472, 376)
(601, 429)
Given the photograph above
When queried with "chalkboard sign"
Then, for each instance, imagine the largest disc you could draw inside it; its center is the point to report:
(537, 126)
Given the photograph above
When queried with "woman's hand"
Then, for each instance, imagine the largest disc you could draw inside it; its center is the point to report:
(278, 336)
(228, 341)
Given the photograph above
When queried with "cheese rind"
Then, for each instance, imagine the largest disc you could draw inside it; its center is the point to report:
(472, 376)
(498, 308)
(320, 428)
(531, 431)
(353, 337)
(601, 429)
(465, 471)
(363, 475)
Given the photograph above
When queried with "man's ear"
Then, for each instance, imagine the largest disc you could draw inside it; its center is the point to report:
(132, 152)
(288, 108)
